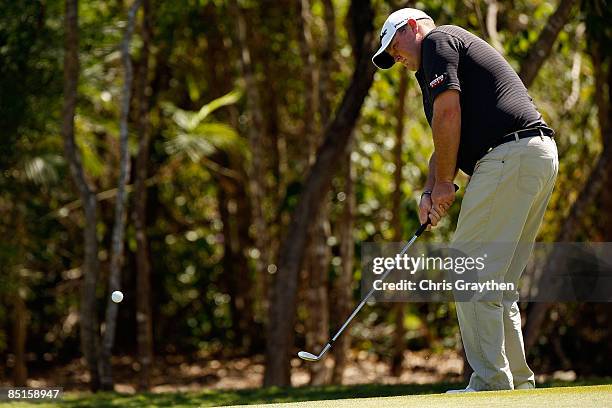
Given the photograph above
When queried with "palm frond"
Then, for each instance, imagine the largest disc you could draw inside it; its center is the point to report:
(222, 136)
(188, 121)
(43, 169)
(210, 107)
(197, 138)
(193, 146)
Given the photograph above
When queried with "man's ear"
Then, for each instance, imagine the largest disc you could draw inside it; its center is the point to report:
(413, 24)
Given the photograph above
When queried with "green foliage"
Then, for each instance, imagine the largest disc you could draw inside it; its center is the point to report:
(198, 137)
(30, 74)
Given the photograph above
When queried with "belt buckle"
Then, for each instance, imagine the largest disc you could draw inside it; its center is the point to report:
(516, 136)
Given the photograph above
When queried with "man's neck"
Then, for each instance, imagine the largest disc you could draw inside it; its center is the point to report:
(425, 29)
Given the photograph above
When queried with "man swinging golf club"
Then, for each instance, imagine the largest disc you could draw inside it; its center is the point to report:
(485, 123)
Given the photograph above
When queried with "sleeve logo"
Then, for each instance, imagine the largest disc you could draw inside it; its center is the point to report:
(437, 81)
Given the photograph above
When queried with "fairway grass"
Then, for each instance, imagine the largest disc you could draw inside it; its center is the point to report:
(581, 394)
(567, 397)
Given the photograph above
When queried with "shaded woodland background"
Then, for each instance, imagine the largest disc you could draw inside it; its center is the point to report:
(220, 162)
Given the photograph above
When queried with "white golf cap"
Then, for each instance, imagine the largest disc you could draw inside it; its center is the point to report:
(396, 20)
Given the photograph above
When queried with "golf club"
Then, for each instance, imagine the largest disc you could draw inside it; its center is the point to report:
(304, 355)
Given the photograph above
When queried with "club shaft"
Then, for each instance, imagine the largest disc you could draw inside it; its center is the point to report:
(417, 234)
(371, 292)
(327, 347)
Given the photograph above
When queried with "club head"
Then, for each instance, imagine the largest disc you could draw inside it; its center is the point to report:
(304, 355)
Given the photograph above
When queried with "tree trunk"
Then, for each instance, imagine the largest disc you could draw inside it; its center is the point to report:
(116, 262)
(89, 330)
(234, 203)
(20, 331)
(246, 298)
(310, 81)
(328, 65)
(343, 284)
(318, 182)
(538, 312)
(319, 255)
(256, 139)
(235, 264)
(491, 24)
(541, 48)
(232, 278)
(317, 323)
(16, 297)
(600, 175)
(602, 65)
(481, 21)
(144, 316)
(400, 331)
(528, 72)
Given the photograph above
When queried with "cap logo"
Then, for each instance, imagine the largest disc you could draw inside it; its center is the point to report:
(400, 23)
(383, 34)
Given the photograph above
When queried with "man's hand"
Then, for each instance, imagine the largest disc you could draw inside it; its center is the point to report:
(424, 207)
(442, 198)
(426, 210)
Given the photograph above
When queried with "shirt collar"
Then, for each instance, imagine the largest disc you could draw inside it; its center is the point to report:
(420, 70)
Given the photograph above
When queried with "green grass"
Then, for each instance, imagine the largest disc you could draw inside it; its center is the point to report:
(566, 397)
(412, 395)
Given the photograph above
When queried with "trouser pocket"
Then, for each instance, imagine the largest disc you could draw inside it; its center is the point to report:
(537, 165)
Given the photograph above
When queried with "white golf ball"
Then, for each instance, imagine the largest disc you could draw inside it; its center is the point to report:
(117, 296)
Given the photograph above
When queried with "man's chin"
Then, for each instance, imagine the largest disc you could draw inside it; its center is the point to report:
(410, 67)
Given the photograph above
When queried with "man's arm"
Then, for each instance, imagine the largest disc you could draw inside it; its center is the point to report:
(431, 177)
(425, 203)
(446, 128)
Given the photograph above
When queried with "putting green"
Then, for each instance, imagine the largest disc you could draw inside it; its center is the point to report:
(570, 397)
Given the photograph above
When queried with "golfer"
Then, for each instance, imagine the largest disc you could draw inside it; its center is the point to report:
(484, 123)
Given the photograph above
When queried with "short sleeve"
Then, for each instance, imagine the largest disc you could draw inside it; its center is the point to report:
(440, 63)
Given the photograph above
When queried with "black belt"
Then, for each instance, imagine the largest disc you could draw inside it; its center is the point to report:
(522, 134)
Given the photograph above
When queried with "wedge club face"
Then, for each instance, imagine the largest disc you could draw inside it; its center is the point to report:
(304, 355)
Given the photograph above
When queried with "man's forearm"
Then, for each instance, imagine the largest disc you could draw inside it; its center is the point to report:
(446, 128)
(431, 176)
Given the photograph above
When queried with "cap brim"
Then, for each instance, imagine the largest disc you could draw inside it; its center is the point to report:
(383, 59)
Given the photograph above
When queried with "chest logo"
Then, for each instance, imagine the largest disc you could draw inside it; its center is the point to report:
(437, 81)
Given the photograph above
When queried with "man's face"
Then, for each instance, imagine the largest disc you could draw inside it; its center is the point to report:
(405, 48)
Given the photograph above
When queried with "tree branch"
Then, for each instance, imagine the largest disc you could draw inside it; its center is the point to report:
(541, 48)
